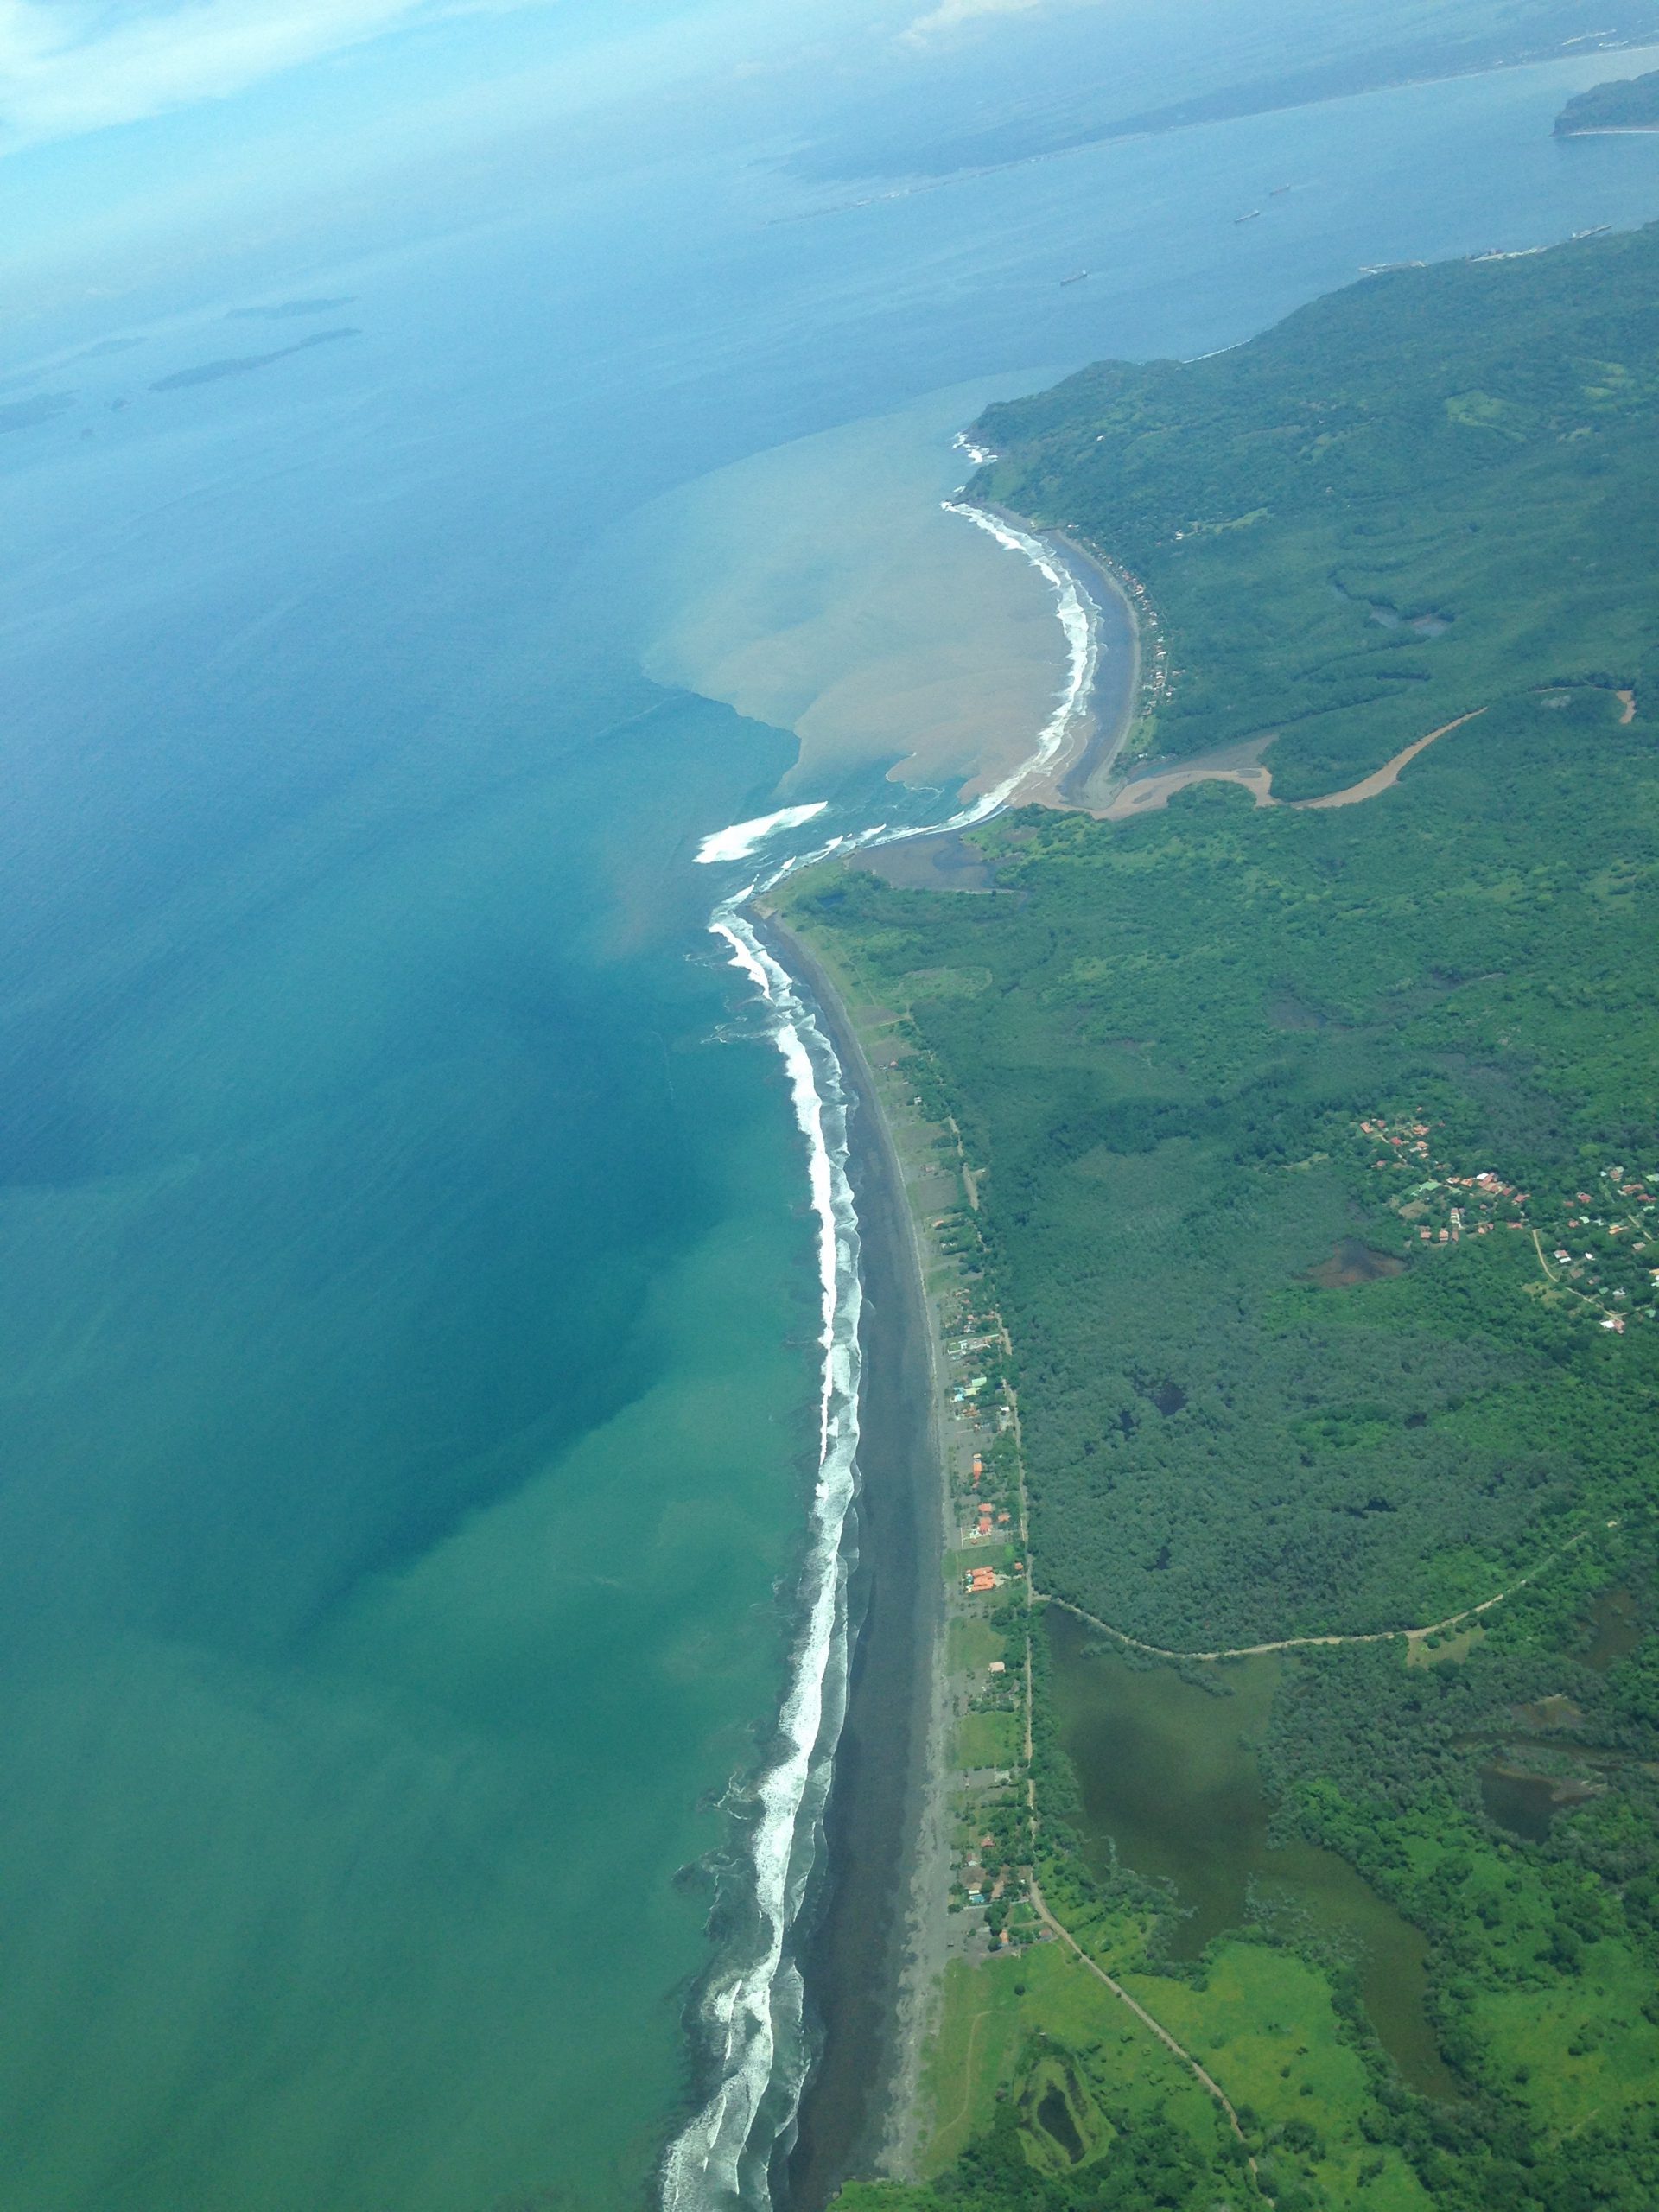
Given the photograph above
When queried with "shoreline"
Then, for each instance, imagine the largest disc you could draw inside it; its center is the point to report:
(873, 1943)
(873, 1962)
(1111, 707)
(1115, 718)
(867, 1963)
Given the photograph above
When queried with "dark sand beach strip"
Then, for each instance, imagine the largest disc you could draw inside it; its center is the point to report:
(1117, 667)
(1116, 683)
(855, 1961)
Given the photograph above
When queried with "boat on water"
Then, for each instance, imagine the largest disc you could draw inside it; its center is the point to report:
(1254, 216)
(1278, 188)
(1076, 279)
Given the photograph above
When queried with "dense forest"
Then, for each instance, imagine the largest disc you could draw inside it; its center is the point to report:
(1317, 1160)
(1627, 104)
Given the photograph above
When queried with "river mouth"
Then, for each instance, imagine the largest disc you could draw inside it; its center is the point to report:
(1169, 1772)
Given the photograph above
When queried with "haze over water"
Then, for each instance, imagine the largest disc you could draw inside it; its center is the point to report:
(410, 1301)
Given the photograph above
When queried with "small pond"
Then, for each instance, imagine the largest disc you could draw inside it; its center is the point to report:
(1353, 1261)
(1615, 1630)
(1525, 1804)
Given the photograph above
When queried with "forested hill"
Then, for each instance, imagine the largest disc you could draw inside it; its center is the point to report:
(1627, 104)
(1414, 497)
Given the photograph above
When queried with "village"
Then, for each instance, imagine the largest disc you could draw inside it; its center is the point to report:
(987, 1621)
(1608, 1265)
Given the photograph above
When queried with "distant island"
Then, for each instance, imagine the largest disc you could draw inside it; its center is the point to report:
(1625, 104)
(243, 364)
(1288, 1113)
(280, 310)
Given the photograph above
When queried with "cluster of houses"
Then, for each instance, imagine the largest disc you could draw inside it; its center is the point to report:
(1473, 1204)
(1627, 1247)
(1477, 1205)
(978, 1580)
(989, 1521)
(1154, 653)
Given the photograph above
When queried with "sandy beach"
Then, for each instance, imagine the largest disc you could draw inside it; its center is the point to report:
(869, 1965)
(874, 1963)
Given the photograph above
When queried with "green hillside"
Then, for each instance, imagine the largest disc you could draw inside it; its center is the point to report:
(1383, 513)
(1626, 104)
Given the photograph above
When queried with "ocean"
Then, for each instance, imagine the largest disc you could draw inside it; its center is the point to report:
(422, 1549)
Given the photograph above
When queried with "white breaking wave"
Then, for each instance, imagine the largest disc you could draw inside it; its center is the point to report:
(751, 2010)
(738, 842)
(755, 2005)
(1077, 614)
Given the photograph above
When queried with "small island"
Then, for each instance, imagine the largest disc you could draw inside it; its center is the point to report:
(1626, 104)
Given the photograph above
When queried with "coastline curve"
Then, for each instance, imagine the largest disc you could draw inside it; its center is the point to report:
(748, 2016)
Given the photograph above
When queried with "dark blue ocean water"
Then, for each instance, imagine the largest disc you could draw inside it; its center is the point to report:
(407, 1287)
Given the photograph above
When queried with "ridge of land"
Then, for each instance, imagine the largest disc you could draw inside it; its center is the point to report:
(1625, 103)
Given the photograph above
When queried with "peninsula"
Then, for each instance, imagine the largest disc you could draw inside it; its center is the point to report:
(1290, 1175)
(1626, 104)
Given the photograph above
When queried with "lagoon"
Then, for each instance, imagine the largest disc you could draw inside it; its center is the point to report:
(1170, 1781)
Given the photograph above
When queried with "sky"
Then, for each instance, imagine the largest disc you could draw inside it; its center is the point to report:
(71, 67)
(141, 135)
(141, 138)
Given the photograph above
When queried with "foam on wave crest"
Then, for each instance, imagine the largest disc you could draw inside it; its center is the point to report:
(751, 2010)
(749, 2014)
(1079, 619)
(737, 843)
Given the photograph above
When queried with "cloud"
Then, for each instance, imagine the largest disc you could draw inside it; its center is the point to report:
(68, 67)
(955, 15)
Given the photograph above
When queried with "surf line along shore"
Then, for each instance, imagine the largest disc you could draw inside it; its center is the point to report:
(808, 2030)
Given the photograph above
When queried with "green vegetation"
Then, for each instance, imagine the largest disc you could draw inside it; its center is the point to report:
(1317, 1154)
(987, 1739)
(1382, 514)
(1627, 104)
(1193, 1014)
(1083, 2084)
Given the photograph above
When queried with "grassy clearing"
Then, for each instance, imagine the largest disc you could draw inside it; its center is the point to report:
(971, 1644)
(987, 1740)
(1004, 2021)
(999, 1556)
(1578, 2047)
(1262, 2021)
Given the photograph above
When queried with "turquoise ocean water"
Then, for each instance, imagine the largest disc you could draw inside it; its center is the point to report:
(406, 1276)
